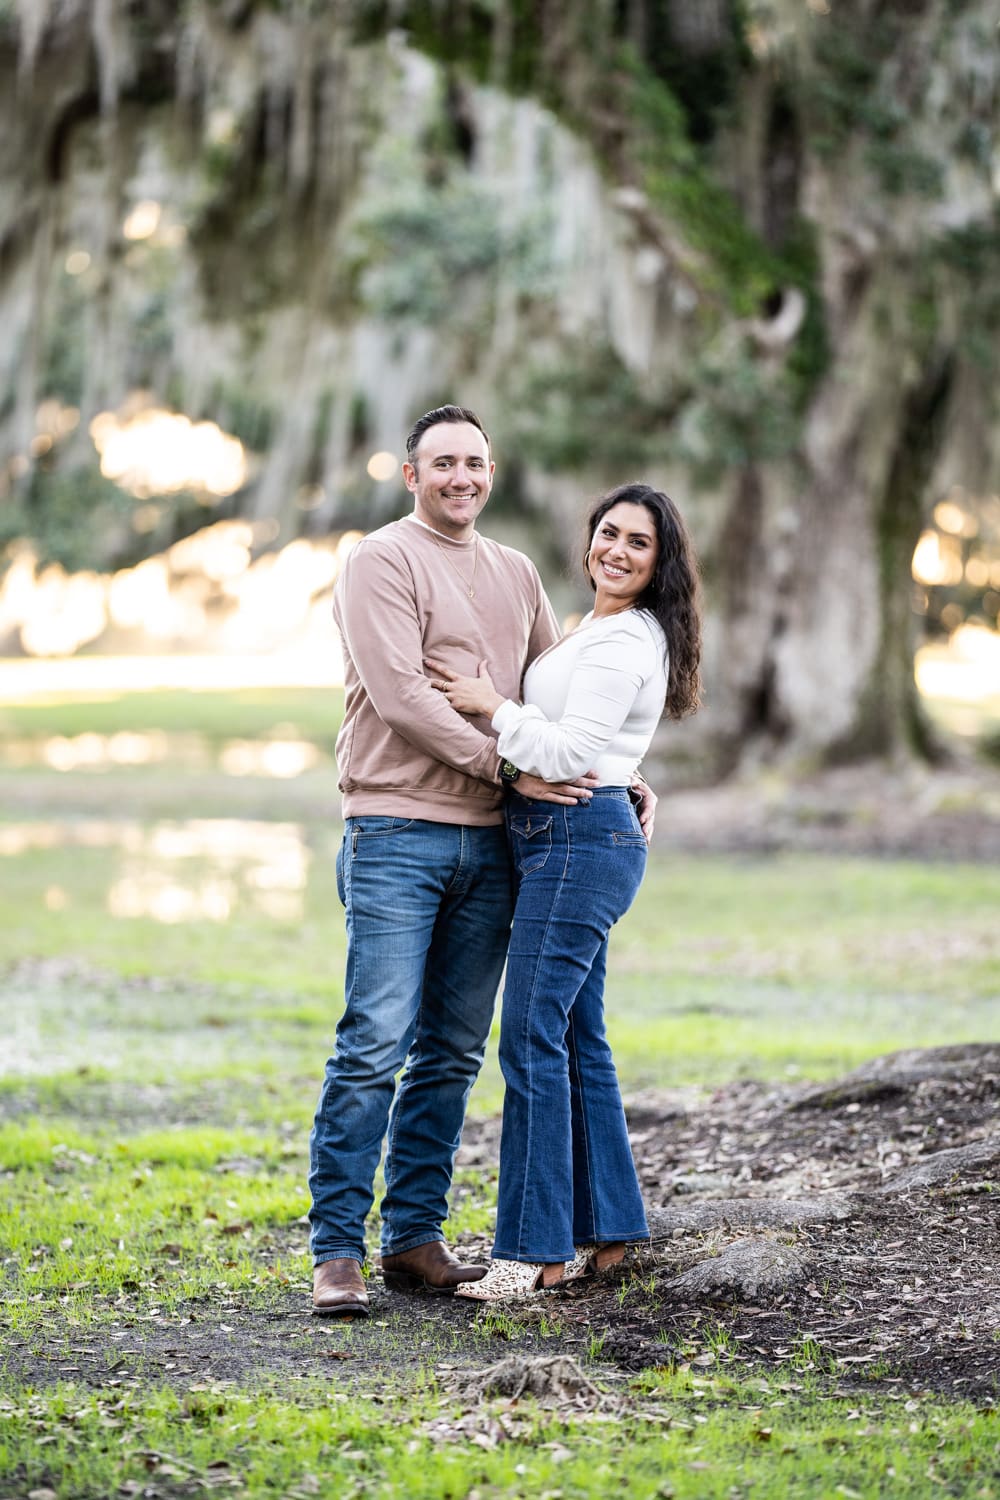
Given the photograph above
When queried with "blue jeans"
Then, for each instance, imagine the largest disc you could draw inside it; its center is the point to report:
(567, 1176)
(428, 917)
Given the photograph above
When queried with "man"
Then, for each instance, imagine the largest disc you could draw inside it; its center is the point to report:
(423, 870)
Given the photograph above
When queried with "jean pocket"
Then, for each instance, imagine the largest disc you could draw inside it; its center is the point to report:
(626, 840)
(365, 828)
(531, 837)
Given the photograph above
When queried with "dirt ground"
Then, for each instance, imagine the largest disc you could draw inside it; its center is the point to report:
(851, 1229)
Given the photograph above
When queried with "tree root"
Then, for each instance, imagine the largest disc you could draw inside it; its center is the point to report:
(550, 1379)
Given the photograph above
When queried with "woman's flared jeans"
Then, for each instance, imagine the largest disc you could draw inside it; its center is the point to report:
(567, 1177)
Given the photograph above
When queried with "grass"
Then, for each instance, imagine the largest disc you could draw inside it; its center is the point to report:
(849, 957)
(854, 956)
(170, 976)
(247, 713)
(675, 1437)
(174, 1214)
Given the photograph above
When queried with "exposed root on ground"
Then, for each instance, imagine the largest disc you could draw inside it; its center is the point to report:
(550, 1379)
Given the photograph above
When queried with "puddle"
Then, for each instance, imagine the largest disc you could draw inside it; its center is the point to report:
(280, 758)
(199, 869)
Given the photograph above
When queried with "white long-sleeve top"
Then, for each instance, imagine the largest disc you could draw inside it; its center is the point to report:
(591, 702)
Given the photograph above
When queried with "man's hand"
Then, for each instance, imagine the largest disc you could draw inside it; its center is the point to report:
(566, 792)
(646, 807)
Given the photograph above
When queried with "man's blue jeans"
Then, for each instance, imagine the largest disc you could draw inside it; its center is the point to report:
(428, 917)
(566, 1172)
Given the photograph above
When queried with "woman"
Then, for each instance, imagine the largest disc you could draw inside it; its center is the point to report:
(568, 1188)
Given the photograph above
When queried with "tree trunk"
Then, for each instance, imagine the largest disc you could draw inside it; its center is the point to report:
(766, 309)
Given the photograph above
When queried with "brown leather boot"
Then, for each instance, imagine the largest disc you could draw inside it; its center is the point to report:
(427, 1268)
(339, 1289)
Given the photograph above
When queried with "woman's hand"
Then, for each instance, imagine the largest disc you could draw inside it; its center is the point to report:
(646, 806)
(470, 695)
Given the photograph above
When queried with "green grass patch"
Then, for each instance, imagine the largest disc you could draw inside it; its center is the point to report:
(244, 713)
(671, 1437)
(162, 1216)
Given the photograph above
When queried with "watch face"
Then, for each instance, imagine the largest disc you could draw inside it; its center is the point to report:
(508, 771)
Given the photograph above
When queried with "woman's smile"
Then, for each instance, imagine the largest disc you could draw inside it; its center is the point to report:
(623, 556)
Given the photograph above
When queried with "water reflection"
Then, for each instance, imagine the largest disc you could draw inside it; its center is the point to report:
(279, 758)
(150, 893)
(199, 869)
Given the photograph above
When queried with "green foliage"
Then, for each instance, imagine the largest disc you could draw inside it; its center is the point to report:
(974, 144)
(971, 256)
(239, 410)
(153, 331)
(126, 1197)
(582, 408)
(419, 250)
(464, 34)
(843, 93)
(564, 61)
(973, 250)
(798, 265)
(153, 271)
(704, 81)
(219, 159)
(738, 266)
(242, 218)
(902, 169)
(736, 416)
(960, 268)
(662, 131)
(844, 97)
(426, 245)
(237, 13)
(580, 405)
(77, 517)
(745, 411)
(64, 350)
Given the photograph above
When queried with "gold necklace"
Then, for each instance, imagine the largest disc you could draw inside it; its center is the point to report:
(467, 586)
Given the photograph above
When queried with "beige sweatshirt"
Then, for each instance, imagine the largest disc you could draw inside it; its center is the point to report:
(402, 750)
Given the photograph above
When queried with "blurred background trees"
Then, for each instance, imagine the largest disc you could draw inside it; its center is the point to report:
(747, 249)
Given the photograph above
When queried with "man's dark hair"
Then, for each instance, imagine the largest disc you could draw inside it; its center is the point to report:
(441, 414)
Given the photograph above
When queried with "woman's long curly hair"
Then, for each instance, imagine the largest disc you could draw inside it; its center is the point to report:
(673, 595)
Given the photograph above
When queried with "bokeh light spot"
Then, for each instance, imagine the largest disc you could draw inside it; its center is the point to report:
(382, 465)
(142, 221)
(158, 452)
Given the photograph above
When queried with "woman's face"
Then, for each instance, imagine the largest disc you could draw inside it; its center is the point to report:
(623, 554)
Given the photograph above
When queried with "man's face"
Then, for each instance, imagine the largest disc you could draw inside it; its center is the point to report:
(451, 477)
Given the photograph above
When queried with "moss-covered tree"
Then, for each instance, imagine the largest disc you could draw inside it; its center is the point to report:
(749, 250)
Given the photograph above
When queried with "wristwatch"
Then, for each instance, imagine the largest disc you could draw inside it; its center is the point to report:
(509, 772)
